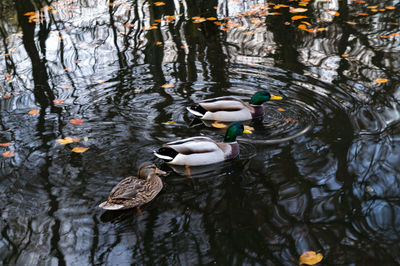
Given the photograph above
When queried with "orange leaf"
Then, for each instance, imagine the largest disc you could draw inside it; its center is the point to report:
(345, 55)
(217, 124)
(351, 22)
(79, 149)
(32, 13)
(159, 3)
(158, 43)
(363, 14)
(7, 95)
(58, 101)
(169, 85)
(65, 86)
(8, 76)
(5, 144)
(310, 258)
(321, 29)
(34, 112)
(8, 154)
(390, 7)
(297, 10)
(381, 80)
(211, 18)
(298, 17)
(290, 120)
(333, 13)
(372, 7)
(302, 27)
(76, 121)
(395, 34)
(281, 109)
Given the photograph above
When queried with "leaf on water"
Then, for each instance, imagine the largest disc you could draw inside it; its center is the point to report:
(217, 124)
(169, 122)
(249, 128)
(8, 76)
(345, 55)
(101, 81)
(395, 34)
(381, 80)
(129, 25)
(321, 29)
(76, 121)
(390, 7)
(298, 17)
(159, 3)
(85, 139)
(8, 154)
(187, 171)
(150, 28)
(18, 34)
(34, 112)
(7, 95)
(310, 258)
(65, 86)
(372, 7)
(351, 22)
(302, 27)
(281, 109)
(58, 101)
(158, 43)
(64, 141)
(6, 144)
(79, 149)
(289, 120)
(211, 18)
(363, 14)
(279, 6)
(169, 85)
(384, 36)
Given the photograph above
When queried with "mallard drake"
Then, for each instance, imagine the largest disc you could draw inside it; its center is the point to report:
(202, 150)
(230, 108)
(135, 191)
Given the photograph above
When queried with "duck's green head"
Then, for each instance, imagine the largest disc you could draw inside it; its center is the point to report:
(234, 130)
(262, 97)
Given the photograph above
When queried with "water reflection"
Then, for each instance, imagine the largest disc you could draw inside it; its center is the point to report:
(332, 188)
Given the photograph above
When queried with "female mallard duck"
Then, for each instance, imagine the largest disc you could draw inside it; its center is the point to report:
(135, 191)
(202, 150)
(229, 108)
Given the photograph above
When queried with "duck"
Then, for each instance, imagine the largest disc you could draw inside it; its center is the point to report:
(230, 108)
(135, 191)
(197, 151)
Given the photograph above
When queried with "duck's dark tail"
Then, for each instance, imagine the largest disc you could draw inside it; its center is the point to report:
(197, 110)
(166, 153)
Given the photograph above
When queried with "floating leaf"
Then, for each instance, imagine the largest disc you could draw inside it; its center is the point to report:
(390, 7)
(249, 128)
(298, 17)
(158, 43)
(8, 76)
(28, 14)
(351, 22)
(79, 149)
(64, 141)
(58, 101)
(169, 85)
(395, 34)
(363, 14)
(76, 121)
(169, 122)
(345, 55)
(159, 3)
(7, 95)
(310, 258)
(381, 80)
(281, 109)
(333, 13)
(290, 120)
(211, 18)
(5, 144)
(217, 124)
(298, 10)
(34, 112)
(302, 27)
(372, 7)
(8, 154)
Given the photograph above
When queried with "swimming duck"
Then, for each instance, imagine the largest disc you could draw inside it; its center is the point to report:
(230, 108)
(135, 191)
(197, 151)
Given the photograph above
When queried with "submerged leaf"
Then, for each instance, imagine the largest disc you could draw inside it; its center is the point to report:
(79, 149)
(310, 258)
(34, 112)
(5, 144)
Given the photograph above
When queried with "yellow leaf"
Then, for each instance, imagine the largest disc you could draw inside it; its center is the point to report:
(321, 29)
(79, 149)
(158, 43)
(390, 7)
(372, 7)
(34, 112)
(8, 154)
(169, 85)
(381, 80)
(281, 109)
(169, 123)
(310, 258)
(345, 55)
(298, 17)
(249, 128)
(333, 13)
(217, 124)
(64, 141)
(298, 10)
(351, 22)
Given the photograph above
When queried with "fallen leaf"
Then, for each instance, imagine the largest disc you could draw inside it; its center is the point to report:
(289, 120)
(159, 3)
(302, 26)
(351, 22)
(169, 122)
(8, 76)
(217, 124)
(79, 149)
(58, 101)
(345, 55)
(34, 112)
(5, 144)
(390, 7)
(372, 7)
(85, 139)
(211, 18)
(169, 85)
(333, 13)
(7, 95)
(298, 10)
(381, 80)
(281, 109)
(158, 43)
(363, 14)
(65, 86)
(32, 13)
(298, 17)
(249, 128)
(8, 154)
(395, 34)
(310, 258)
(64, 141)
(76, 121)
(187, 171)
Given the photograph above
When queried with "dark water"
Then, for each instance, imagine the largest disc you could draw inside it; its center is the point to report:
(321, 171)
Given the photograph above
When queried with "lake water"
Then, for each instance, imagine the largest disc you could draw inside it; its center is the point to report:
(319, 173)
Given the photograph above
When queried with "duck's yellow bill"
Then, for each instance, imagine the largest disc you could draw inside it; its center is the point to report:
(275, 98)
(247, 131)
(160, 172)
